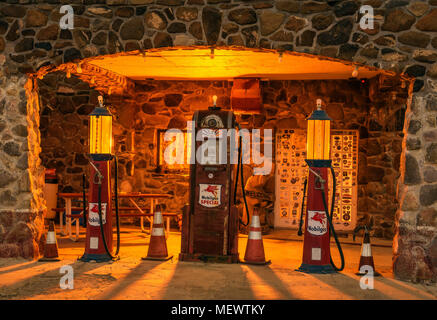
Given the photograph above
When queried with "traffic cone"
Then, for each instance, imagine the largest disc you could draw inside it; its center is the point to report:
(366, 258)
(157, 245)
(255, 248)
(51, 247)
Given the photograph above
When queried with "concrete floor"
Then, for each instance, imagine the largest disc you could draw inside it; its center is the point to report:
(133, 278)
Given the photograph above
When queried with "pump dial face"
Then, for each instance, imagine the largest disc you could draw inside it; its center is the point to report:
(212, 121)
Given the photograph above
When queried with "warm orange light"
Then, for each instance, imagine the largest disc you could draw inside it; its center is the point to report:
(100, 134)
(318, 135)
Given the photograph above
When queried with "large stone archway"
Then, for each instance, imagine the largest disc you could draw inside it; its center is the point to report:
(403, 41)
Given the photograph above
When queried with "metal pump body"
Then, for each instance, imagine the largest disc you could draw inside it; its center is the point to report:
(210, 222)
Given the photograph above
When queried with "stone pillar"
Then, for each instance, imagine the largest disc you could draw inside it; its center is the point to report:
(21, 177)
(415, 243)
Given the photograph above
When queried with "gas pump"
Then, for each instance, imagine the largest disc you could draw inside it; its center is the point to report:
(99, 234)
(210, 222)
(318, 221)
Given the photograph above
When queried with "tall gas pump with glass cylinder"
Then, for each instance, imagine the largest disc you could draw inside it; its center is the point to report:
(99, 238)
(318, 221)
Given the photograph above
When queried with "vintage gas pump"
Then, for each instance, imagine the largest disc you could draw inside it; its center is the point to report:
(210, 222)
(98, 246)
(318, 222)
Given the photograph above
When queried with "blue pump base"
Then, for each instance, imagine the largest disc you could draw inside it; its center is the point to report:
(95, 257)
(311, 268)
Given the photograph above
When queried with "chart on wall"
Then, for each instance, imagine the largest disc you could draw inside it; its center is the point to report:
(291, 171)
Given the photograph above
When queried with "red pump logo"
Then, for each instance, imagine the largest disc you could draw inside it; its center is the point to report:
(209, 195)
(213, 189)
(319, 217)
(93, 214)
(317, 223)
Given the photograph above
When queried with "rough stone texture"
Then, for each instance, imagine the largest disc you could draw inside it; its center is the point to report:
(412, 172)
(133, 29)
(295, 23)
(322, 21)
(338, 34)
(428, 22)
(156, 20)
(398, 20)
(403, 39)
(270, 22)
(418, 8)
(415, 39)
(212, 19)
(243, 16)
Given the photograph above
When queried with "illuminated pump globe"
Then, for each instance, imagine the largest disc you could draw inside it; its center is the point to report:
(318, 134)
(100, 130)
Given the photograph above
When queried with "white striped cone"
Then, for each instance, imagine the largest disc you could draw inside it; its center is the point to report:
(366, 258)
(157, 245)
(255, 248)
(51, 246)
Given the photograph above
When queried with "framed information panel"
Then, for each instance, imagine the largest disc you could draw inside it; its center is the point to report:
(291, 171)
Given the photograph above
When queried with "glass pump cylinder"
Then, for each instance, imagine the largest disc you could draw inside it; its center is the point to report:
(318, 135)
(100, 130)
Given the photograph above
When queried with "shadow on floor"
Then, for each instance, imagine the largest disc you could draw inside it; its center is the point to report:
(199, 280)
(270, 277)
(133, 276)
(22, 266)
(406, 288)
(349, 286)
(45, 282)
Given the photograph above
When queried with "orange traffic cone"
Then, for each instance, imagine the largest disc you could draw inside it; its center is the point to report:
(366, 258)
(51, 247)
(255, 248)
(157, 246)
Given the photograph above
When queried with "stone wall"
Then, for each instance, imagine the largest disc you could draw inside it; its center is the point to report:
(403, 40)
(21, 174)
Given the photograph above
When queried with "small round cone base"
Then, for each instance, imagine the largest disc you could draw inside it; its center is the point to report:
(157, 258)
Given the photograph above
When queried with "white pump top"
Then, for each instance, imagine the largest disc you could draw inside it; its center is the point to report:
(319, 104)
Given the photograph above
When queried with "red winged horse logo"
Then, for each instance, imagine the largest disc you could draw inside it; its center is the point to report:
(212, 189)
(319, 217)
